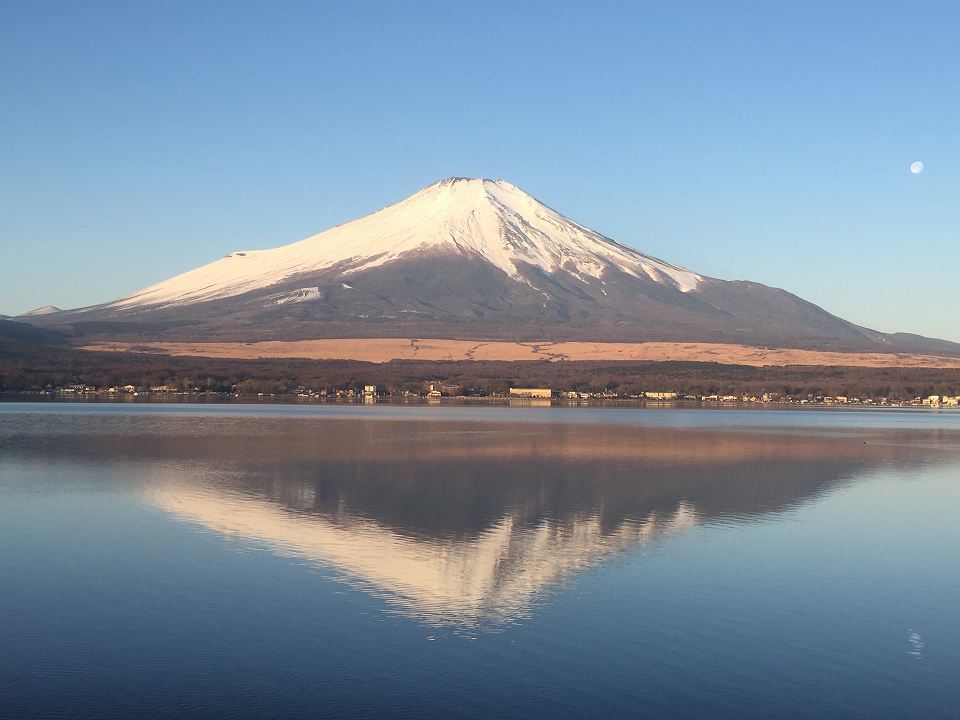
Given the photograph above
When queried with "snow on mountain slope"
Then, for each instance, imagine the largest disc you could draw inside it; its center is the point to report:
(45, 310)
(488, 218)
(469, 259)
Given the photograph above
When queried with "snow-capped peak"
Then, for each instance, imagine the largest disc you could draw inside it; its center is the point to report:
(44, 310)
(492, 219)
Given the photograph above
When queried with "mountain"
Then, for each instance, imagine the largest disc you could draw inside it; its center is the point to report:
(469, 258)
(45, 310)
(19, 339)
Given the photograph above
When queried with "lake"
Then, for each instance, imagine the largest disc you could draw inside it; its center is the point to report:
(368, 562)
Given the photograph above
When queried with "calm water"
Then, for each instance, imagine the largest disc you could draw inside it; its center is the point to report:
(231, 561)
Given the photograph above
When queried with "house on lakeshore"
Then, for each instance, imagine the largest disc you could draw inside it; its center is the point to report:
(660, 395)
(542, 393)
(438, 388)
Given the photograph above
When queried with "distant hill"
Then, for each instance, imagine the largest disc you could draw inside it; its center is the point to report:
(45, 310)
(25, 332)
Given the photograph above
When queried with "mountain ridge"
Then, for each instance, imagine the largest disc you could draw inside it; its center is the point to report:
(473, 259)
(492, 219)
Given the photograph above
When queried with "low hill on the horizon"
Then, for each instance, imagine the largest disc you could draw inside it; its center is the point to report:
(18, 337)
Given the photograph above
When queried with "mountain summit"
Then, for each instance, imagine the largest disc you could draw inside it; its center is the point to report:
(473, 259)
(491, 220)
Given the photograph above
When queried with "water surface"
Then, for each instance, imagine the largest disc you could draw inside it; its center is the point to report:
(284, 561)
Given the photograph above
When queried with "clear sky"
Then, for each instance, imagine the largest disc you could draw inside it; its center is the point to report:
(767, 141)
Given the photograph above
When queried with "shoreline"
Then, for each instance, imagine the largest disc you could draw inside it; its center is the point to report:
(207, 399)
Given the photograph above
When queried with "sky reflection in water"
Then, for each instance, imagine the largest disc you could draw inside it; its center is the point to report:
(465, 525)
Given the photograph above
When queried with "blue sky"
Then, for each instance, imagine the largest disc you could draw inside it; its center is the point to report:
(745, 140)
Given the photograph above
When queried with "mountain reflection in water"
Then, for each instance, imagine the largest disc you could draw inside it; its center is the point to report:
(461, 523)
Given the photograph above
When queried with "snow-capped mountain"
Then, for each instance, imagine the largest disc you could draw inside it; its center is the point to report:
(45, 310)
(488, 219)
(468, 258)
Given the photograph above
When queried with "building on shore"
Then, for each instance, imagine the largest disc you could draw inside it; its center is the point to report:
(660, 395)
(542, 393)
(438, 388)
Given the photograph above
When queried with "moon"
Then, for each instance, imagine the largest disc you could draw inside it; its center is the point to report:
(916, 168)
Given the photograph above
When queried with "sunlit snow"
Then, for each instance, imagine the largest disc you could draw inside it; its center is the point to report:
(297, 296)
(492, 219)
